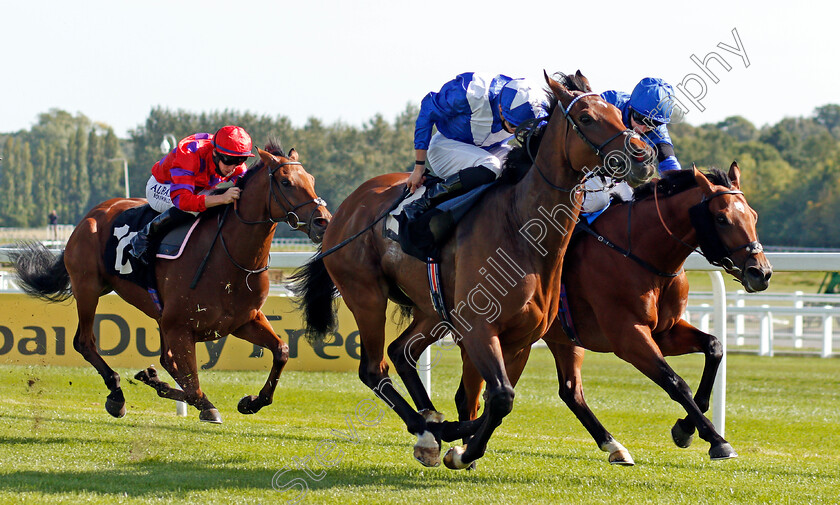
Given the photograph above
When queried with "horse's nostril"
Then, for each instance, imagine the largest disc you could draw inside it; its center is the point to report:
(321, 222)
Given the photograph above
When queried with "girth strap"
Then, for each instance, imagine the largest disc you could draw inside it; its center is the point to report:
(436, 290)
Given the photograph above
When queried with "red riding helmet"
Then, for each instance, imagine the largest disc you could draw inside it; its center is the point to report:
(233, 141)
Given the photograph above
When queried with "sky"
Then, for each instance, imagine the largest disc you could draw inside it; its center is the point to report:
(347, 61)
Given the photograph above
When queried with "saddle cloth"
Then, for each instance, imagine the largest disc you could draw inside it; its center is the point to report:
(119, 262)
(424, 237)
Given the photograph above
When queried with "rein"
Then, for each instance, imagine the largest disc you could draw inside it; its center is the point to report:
(290, 218)
(627, 253)
(598, 149)
(711, 246)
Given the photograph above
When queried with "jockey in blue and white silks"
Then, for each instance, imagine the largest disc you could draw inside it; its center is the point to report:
(647, 111)
(475, 115)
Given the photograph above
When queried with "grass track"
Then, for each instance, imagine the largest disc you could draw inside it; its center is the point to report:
(57, 444)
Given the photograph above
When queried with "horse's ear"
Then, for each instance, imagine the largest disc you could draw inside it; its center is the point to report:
(702, 182)
(735, 175)
(583, 81)
(293, 155)
(560, 91)
(266, 156)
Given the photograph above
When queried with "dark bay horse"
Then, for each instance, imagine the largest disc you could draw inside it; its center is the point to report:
(227, 298)
(621, 306)
(517, 231)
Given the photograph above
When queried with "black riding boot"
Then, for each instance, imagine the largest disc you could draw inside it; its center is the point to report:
(144, 243)
(452, 186)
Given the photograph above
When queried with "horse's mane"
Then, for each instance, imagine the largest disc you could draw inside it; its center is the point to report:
(274, 147)
(678, 181)
(529, 134)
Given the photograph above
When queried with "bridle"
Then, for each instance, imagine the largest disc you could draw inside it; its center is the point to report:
(598, 149)
(291, 218)
(711, 246)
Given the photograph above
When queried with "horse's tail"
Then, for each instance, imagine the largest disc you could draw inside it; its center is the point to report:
(317, 292)
(40, 273)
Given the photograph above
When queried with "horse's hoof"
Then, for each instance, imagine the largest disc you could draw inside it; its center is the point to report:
(115, 404)
(210, 416)
(431, 416)
(723, 451)
(249, 405)
(427, 450)
(680, 436)
(621, 457)
(147, 375)
(452, 458)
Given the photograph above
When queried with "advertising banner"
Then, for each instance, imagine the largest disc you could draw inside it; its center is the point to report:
(36, 332)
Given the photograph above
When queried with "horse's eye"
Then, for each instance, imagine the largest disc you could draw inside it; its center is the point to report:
(286, 182)
(721, 220)
(585, 119)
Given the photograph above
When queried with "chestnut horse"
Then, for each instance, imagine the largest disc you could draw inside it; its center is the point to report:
(581, 130)
(226, 300)
(633, 308)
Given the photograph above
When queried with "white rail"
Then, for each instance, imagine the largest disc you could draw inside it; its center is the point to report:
(782, 262)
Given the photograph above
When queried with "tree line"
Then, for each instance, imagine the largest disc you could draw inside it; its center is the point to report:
(67, 163)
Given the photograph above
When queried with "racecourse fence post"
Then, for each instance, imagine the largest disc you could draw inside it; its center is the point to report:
(765, 343)
(425, 369)
(739, 319)
(704, 319)
(828, 327)
(797, 320)
(719, 397)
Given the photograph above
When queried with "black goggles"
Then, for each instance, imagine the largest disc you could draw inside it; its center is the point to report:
(644, 120)
(231, 160)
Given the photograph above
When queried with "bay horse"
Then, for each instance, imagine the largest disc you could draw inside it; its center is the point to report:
(227, 298)
(518, 229)
(633, 307)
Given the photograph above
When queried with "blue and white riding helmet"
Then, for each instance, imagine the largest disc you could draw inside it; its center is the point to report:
(520, 101)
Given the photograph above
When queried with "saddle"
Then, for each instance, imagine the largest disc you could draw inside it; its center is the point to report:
(424, 237)
(117, 259)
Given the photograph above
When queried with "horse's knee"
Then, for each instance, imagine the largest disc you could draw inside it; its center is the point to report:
(715, 349)
(283, 353)
(500, 401)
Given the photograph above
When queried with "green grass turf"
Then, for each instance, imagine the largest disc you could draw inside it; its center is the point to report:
(58, 445)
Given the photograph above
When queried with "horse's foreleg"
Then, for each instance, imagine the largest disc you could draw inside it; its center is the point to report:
(177, 355)
(641, 351)
(486, 355)
(85, 344)
(684, 338)
(259, 332)
(568, 359)
(405, 354)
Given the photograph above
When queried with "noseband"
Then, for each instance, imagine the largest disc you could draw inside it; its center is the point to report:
(711, 246)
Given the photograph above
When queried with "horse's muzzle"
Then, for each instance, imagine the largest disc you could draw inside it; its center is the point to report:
(318, 225)
(757, 275)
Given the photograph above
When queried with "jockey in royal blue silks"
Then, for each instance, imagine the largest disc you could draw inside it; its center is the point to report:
(647, 111)
(475, 115)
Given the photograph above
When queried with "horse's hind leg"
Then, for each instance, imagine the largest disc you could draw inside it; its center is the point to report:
(85, 344)
(684, 338)
(368, 305)
(568, 359)
(260, 332)
(405, 352)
